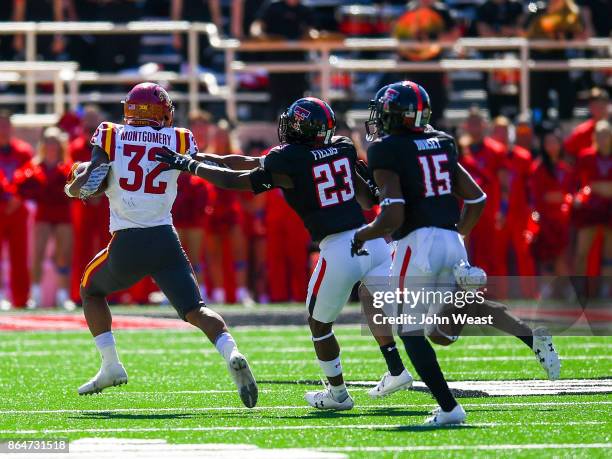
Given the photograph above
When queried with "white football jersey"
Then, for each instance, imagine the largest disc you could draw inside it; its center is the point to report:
(140, 190)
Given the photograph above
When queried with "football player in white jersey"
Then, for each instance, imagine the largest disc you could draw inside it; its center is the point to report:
(141, 192)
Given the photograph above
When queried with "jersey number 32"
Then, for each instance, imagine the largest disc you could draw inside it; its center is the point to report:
(138, 175)
(325, 180)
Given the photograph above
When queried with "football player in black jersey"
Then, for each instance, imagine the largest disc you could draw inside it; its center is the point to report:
(421, 182)
(316, 172)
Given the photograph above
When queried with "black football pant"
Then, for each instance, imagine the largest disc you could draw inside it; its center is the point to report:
(138, 252)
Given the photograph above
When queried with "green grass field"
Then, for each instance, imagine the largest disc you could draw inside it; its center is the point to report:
(179, 391)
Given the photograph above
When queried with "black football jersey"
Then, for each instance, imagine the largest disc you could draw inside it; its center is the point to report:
(425, 163)
(323, 192)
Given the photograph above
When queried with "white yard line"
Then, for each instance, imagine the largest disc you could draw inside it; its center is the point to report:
(425, 406)
(469, 447)
(16, 339)
(286, 427)
(66, 353)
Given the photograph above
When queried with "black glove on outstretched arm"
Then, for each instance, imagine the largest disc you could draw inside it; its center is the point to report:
(362, 169)
(175, 161)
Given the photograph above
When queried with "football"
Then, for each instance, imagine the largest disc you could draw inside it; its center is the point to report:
(78, 169)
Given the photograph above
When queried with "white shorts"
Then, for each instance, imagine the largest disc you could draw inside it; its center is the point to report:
(337, 272)
(424, 261)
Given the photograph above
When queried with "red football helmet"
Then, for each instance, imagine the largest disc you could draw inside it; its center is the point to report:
(148, 104)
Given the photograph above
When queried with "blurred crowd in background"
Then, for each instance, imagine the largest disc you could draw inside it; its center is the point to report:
(548, 177)
(549, 210)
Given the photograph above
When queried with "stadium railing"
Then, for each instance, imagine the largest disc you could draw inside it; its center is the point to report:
(324, 63)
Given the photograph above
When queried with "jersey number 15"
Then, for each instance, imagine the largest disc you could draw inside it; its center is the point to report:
(436, 176)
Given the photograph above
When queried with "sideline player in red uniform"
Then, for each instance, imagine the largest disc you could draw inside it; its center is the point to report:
(489, 155)
(7, 196)
(287, 250)
(593, 202)
(551, 187)
(14, 153)
(224, 216)
(582, 135)
(89, 218)
(515, 210)
(189, 207)
(141, 192)
(42, 181)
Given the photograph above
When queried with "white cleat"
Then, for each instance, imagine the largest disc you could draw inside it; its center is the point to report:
(443, 418)
(108, 376)
(390, 384)
(545, 353)
(324, 400)
(243, 378)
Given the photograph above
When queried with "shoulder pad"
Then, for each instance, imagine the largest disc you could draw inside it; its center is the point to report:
(105, 138)
(185, 142)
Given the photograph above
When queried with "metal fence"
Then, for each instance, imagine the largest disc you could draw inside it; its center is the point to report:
(325, 58)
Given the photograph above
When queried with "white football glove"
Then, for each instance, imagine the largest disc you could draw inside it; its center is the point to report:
(469, 278)
(94, 181)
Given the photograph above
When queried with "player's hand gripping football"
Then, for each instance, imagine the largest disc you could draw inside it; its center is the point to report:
(357, 248)
(176, 161)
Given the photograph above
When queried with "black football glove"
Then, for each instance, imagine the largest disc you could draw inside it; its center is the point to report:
(362, 169)
(357, 247)
(175, 161)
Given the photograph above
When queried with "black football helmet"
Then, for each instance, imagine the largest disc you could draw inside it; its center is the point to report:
(308, 120)
(402, 106)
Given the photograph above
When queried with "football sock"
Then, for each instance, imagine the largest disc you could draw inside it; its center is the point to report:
(393, 359)
(425, 362)
(332, 368)
(339, 393)
(105, 342)
(505, 321)
(528, 340)
(225, 344)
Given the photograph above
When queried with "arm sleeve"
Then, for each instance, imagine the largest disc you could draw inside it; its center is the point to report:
(104, 137)
(261, 180)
